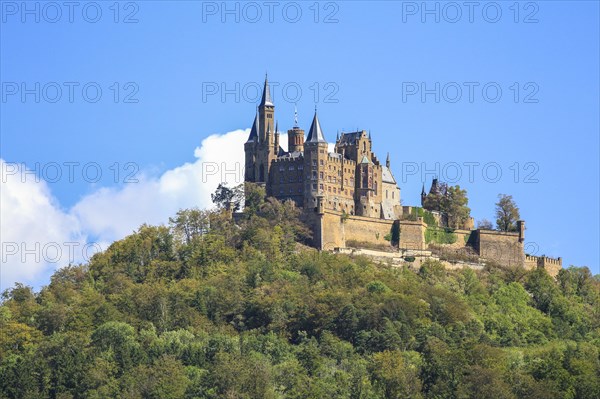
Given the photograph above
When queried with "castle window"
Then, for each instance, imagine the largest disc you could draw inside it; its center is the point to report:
(281, 179)
(375, 185)
(386, 194)
(321, 186)
(291, 190)
(321, 162)
(392, 195)
(281, 191)
(329, 189)
(300, 167)
(314, 186)
(291, 167)
(321, 175)
(314, 162)
(299, 189)
(314, 175)
(281, 168)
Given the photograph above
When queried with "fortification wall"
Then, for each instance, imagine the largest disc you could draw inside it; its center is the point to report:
(502, 247)
(336, 231)
(412, 234)
(552, 265)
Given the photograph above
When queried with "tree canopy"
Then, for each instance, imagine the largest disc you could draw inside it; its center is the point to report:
(246, 311)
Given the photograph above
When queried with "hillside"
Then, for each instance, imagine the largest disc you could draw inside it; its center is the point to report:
(206, 308)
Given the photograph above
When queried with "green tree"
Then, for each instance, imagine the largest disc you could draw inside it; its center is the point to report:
(454, 204)
(189, 224)
(507, 213)
(228, 198)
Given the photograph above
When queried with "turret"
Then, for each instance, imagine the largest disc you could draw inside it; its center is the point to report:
(295, 139)
(266, 112)
(387, 161)
(276, 145)
(315, 160)
(521, 230)
(266, 150)
(250, 152)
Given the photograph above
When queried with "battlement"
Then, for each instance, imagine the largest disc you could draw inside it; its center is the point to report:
(552, 265)
(287, 159)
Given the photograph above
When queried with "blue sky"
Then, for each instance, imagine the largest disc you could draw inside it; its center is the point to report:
(508, 89)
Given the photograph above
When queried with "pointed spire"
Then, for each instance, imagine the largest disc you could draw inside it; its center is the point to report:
(266, 95)
(295, 116)
(315, 134)
(387, 161)
(369, 134)
(254, 131)
(276, 127)
(423, 193)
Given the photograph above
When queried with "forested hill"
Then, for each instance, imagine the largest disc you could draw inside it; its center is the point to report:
(205, 308)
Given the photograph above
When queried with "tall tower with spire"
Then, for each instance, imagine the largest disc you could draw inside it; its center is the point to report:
(315, 163)
(262, 145)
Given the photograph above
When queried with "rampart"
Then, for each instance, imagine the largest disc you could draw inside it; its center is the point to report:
(552, 265)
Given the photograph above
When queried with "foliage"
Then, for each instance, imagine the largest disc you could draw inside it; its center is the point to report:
(507, 213)
(452, 201)
(226, 198)
(239, 311)
(439, 235)
(485, 224)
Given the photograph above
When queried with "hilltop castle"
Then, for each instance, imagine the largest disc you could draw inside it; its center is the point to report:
(351, 179)
(350, 198)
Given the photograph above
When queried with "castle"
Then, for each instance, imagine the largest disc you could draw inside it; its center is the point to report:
(350, 198)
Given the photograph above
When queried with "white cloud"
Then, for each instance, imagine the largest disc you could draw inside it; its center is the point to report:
(31, 217)
(33, 228)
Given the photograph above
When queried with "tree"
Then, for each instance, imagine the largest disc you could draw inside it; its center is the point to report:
(451, 200)
(507, 213)
(485, 224)
(454, 204)
(226, 198)
(254, 198)
(190, 223)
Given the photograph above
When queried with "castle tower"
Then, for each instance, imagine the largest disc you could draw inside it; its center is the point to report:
(315, 161)
(295, 136)
(265, 150)
(295, 139)
(364, 191)
(250, 152)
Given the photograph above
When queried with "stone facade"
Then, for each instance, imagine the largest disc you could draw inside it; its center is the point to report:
(350, 180)
(551, 265)
(349, 197)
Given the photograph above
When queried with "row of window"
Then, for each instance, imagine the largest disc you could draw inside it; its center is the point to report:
(291, 191)
(291, 167)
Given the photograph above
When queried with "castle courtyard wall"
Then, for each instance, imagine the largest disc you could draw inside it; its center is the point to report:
(502, 247)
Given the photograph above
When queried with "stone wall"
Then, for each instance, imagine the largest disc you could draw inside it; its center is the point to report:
(412, 234)
(552, 265)
(502, 247)
(336, 230)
